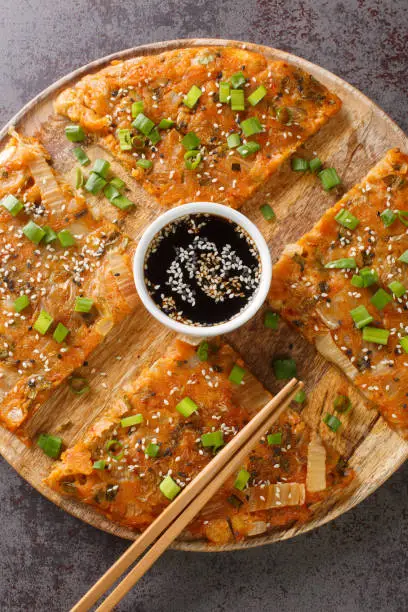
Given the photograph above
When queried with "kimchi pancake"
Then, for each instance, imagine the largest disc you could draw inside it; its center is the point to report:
(284, 104)
(343, 286)
(65, 280)
(166, 425)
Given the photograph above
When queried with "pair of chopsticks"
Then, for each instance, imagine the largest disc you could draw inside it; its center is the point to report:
(171, 522)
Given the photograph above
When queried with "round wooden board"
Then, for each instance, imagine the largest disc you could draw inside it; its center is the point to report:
(353, 141)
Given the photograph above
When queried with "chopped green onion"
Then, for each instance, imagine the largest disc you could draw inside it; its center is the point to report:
(404, 257)
(357, 281)
(235, 501)
(267, 212)
(251, 126)
(125, 139)
(79, 178)
(315, 164)
(192, 159)
(21, 302)
(138, 142)
(119, 454)
(193, 96)
(271, 320)
(237, 80)
(190, 141)
(361, 316)
(213, 438)
(380, 299)
(347, 219)
(299, 164)
(248, 148)
(121, 202)
(388, 217)
(376, 335)
(117, 182)
(154, 136)
(233, 140)
(369, 276)
(342, 404)
(143, 124)
(134, 419)
(51, 445)
(65, 238)
(403, 217)
(101, 167)
(300, 397)
(43, 322)
(186, 407)
(111, 192)
(95, 183)
(60, 333)
(81, 156)
(12, 204)
(329, 178)
(169, 488)
(274, 439)
(146, 164)
(152, 450)
(257, 95)
(404, 343)
(74, 133)
(236, 375)
(237, 100)
(397, 288)
(83, 304)
(284, 115)
(137, 108)
(165, 124)
(78, 385)
(202, 351)
(99, 465)
(347, 262)
(242, 479)
(223, 92)
(332, 422)
(34, 232)
(284, 368)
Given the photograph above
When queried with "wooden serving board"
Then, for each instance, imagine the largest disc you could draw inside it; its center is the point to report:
(352, 142)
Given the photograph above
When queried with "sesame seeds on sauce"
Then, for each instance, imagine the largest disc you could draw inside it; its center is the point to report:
(202, 269)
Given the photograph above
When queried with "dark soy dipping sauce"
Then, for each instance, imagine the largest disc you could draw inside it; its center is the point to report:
(202, 269)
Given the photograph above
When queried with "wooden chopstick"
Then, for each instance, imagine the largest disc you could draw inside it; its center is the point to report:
(182, 510)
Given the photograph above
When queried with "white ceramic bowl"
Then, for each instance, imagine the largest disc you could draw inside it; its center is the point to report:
(228, 213)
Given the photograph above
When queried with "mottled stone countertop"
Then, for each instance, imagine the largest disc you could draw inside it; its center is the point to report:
(358, 562)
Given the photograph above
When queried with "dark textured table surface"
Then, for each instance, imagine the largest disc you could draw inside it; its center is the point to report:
(358, 562)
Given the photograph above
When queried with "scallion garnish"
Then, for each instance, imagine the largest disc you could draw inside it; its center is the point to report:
(403, 217)
(83, 304)
(137, 108)
(257, 95)
(348, 263)
(74, 133)
(233, 140)
(113, 451)
(237, 100)
(388, 217)
(397, 288)
(78, 385)
(165, 124)
(376, 335)
(12, 204)
(223, 92)
(213, 438)
(152, 450)
(357, 281)
(237, 80)
(300, 397)
(342, 404)
(315, 164)
(125, 139)
(274, 439)
(43, 322)
(79, 178)
(404, 257)
(192, 97)
(190, 141)
(284, 368)
(361, 316)
(60, 333)
(65, 238)
(267, 212)
(21, 303)
(332, 422)
(169, 488)
(51, 445)
(130, 421)
(329, 178)
(95, 183)
(251, 126)
(271, 320)
(186, 407)
(248, 148)
(404, 343)
(143, 124)
(299, 164)
(99, 465)
(111, 192)
(369, 276)
(284, 115)
(380, 299)
(347, 219)
(33, 232)
(236, 375)
(146, 164)
(117, 182)
(101, 167)
(121, 202)
(242, 479)
(192, 159)
(202, 350)
(154, 136)
(81, 156)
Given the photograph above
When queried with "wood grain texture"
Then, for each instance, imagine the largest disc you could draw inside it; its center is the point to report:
(352, 142)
